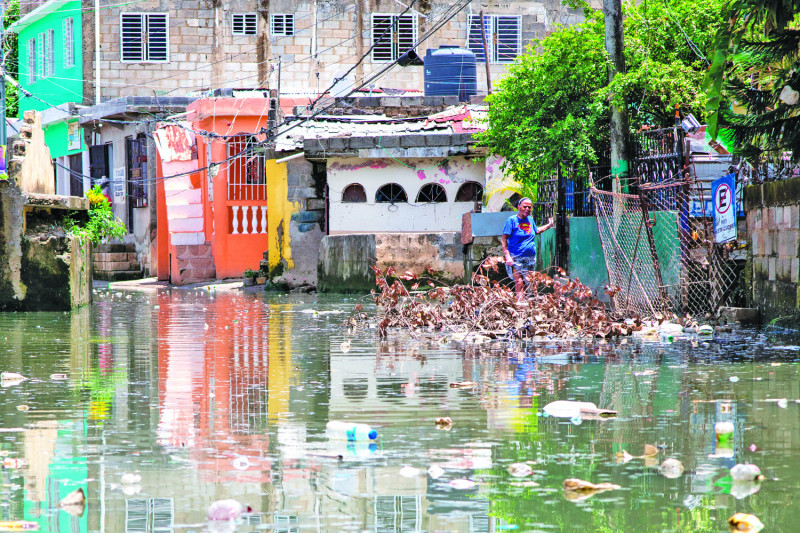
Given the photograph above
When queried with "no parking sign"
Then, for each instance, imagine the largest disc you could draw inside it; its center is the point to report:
(723, 195)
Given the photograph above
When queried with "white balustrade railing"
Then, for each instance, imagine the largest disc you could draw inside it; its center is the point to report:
(252, 221)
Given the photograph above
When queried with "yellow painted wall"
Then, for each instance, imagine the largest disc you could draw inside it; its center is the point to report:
(279, 213)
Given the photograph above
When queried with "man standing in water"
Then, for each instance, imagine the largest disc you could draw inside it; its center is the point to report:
(519, 245)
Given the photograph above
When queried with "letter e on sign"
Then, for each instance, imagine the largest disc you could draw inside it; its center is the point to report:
(724, 198)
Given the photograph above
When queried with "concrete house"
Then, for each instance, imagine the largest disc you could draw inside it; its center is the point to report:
(78, 56)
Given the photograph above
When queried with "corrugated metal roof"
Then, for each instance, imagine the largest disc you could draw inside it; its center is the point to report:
(460, 119)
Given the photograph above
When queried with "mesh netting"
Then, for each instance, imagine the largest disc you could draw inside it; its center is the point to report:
(659, 258)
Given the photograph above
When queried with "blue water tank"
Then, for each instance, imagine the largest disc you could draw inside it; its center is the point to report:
(451, 71)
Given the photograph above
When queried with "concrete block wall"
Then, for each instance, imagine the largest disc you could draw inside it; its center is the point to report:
(773, 227)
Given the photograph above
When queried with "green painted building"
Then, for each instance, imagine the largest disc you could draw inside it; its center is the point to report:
(51, 69)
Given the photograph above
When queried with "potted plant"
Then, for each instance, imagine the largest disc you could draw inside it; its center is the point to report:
(250, 276)
(261, 277)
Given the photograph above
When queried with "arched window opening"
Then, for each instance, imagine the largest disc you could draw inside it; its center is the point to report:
(470, 192)
(354, 193)
(431, 193)
(391, 193)
(511, 203)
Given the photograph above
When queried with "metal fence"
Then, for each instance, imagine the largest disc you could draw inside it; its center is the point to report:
(246, 169)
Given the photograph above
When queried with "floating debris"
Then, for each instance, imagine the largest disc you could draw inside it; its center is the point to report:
(745, 522)
(463, 385)
(572, 409)
(671, 468)
(23, 407)
(410, 471)
(746, 472)
(226, 510)
(9, 379)
(444, 422)
(463, 484)
(435, 471)
(58, 377)
(74, 503)
(578, 489)
(520, 469)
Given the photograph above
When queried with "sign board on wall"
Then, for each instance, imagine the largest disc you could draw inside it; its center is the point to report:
(723, 195)
(118, 185)
(73, 136)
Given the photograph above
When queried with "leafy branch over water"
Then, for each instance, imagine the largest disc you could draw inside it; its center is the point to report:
(486, 308)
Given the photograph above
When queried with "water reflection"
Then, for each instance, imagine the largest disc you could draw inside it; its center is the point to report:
(177, 399)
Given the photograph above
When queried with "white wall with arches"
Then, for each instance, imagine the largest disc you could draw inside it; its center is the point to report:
(380, 209)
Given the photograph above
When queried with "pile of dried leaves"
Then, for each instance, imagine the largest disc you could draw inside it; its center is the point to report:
(553, 307)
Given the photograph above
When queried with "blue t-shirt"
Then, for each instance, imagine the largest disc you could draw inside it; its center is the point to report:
(521, 236)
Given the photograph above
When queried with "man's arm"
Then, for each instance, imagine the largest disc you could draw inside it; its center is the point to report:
(506, 254)
(546, 226)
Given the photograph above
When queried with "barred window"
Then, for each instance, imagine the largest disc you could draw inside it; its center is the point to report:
(391, 193)
(144, 37)
(49, 67)
(244, 23)
(32, 63)
(69, 42)
(503, 37)
(470, 192)
(431, 193)
(281, 24)
(392, 36)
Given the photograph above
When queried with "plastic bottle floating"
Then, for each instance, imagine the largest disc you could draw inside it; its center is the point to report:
(349, 431)
(576, 410)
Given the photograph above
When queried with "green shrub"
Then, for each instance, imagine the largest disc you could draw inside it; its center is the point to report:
(101, 225)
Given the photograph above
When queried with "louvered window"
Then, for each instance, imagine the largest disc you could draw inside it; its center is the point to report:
(503, 37)
(281, 24)
(32, 70)
(392, 36)
(69, 42)
(144, 37)
(244, 23)
(49, 67)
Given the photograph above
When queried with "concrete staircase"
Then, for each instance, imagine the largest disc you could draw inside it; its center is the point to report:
(191, 257)
(116, 262)
(194, 262)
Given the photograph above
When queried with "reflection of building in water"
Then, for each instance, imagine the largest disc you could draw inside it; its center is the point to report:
(213, 386)
(149, 515)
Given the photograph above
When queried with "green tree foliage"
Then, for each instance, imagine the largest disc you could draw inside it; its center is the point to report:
(554, 104)
(10, 16)
(757, 64)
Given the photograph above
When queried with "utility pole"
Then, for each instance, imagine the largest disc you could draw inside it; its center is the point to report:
(486, 56)
(620, 149)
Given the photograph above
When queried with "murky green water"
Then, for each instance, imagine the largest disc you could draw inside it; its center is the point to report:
(212, 396)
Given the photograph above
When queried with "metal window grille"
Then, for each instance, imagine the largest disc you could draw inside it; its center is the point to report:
(39, 56)
(354, 193)
(281, 24)
(244, 23)
(247, 175)
(431, 193)
(69, 42)
(391, 193)
(470, 192)
(136, 155)
(503, 37)
(49, 53)
(392, 35)
(144, 37)
(32, 69)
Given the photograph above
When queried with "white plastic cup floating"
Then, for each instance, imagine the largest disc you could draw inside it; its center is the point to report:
(724, 432)
(349, 431)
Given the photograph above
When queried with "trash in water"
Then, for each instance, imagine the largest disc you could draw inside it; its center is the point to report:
(462, 484)
(9, 379)
(23, 407)
(524, 484)
(241, 463)
(12, 462)
(345, 346)
(226, 510)
(444, 422)
(578, 489)
(746, 472)
(18, 525)
(733, 379)
(74, 503)
(435, 471)
(571, 409)
(671, 468)
(410, 471)
(743, 489)
(745, 522)
(58, 377)
(349, 431)
(462, 385)
(520, 469)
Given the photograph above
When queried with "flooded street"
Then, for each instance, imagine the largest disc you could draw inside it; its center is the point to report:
(200, 396)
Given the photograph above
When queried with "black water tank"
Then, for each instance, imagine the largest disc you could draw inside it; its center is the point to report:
(451, 71)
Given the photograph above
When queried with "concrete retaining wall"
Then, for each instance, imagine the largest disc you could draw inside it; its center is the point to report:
(773, 226)
(345, 263)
